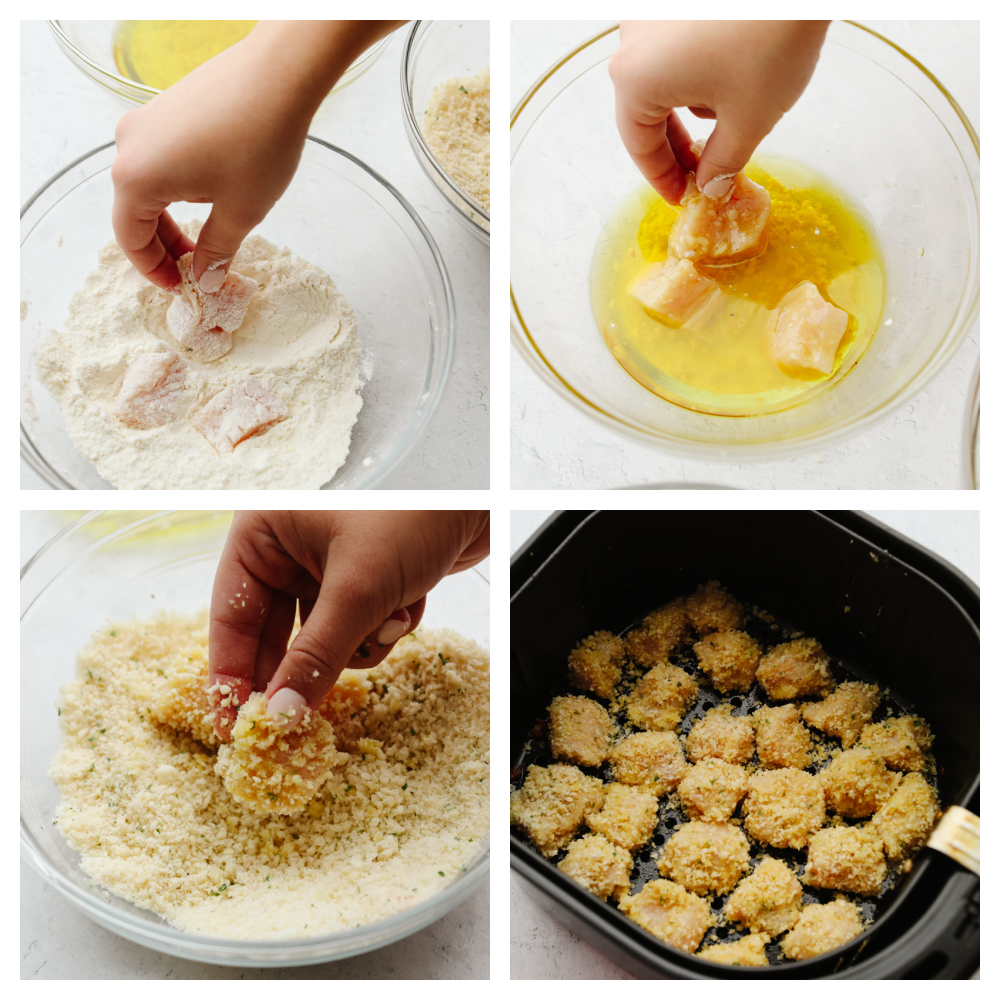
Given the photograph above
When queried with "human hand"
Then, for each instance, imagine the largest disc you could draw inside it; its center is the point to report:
(230, 133)
(744, 74)
(360, 577)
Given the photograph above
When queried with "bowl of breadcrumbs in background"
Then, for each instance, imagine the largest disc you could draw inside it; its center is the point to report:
(445, 81)
(131, 812)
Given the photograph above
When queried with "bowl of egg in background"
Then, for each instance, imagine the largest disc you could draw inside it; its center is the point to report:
(896, 149)
(136, 60)
(108, 565)
(338, 214)
(436, 52)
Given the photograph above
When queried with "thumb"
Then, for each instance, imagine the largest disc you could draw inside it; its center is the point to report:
(726, 153)
(218, 242)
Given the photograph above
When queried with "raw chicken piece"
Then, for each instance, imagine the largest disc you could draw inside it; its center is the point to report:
(721, 230)
(807, 330)
(205, 321)
(238, 412)
(673, 290)
(151, 391)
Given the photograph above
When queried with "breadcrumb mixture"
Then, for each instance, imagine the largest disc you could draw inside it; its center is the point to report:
(154, 823)
(741, 785)
(456, 126)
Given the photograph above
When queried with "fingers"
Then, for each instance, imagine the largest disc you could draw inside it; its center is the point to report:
(647, 143)
(726, 153)
(140, 232)
(218, 242)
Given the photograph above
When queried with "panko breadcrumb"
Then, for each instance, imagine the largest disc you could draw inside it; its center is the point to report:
(906, 821)
(722, 735)
(598, 865)
(272, 770)
(857, 783)
(729, 658)
(711, 608)
(844, 713)
(456, 126)
(821, 928)
(749, 950)
(595, 664)
(848, 858)
(552, 804)
(661, 632)
(661, 698)
(670, 913)
(795, 669)
(902, 742)
(705, 857)
(154, 823)
(580, 730)
(712, 789)
(784, 808)
(653, 762)
(768, 900)
(782, 741)
(627, 818)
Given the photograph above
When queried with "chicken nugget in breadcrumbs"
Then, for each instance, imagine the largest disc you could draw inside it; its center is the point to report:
(821, 928)
(653, 762)
(661, 699)
(902, 742)
(273, 770)
(857, 783)
(796, 669)
(729, 658)
(782, 741)
(706, 857)
(749, 950)
(595, 664)
(845, 712)
(661, 632)
(598, 865)
(182, 701)
(712, 789)
(848, 858)
(580, 730)
(768, 900)
(784, 808)
(552, 804)
(711, 608)
(628, 817)
(670, 913)
(722, 735)
(906, 821)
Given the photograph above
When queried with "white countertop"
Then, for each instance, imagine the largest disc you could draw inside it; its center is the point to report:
(540, 947)
(64, 115)
(59, 942)
(554, 446)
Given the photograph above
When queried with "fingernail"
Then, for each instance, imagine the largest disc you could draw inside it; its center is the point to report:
(719, 187)
(391, 630)
(286, 707)
(213, 278)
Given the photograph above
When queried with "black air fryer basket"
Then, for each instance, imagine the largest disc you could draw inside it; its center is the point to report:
(912, 627)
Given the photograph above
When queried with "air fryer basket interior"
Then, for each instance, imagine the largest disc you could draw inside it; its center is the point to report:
(902, 630)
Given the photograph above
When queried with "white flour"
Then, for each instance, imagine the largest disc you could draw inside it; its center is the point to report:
(299, 339)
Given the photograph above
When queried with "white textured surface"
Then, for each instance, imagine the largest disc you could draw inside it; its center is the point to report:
(554, 446)
(64, 115)
(59, 942)
(540, 947)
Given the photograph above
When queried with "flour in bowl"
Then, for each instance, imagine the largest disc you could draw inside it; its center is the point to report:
(298, 342)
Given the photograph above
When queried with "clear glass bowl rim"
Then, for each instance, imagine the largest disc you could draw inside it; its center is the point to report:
(199, 947)
(37, 463)
(365, 60)
(535, 358)
(414, 129)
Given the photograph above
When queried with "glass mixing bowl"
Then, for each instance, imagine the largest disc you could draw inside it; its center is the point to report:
(89, 46)
(872, 119)
(436, 51)
(970, 437)
(338, 214)
(108, 565)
